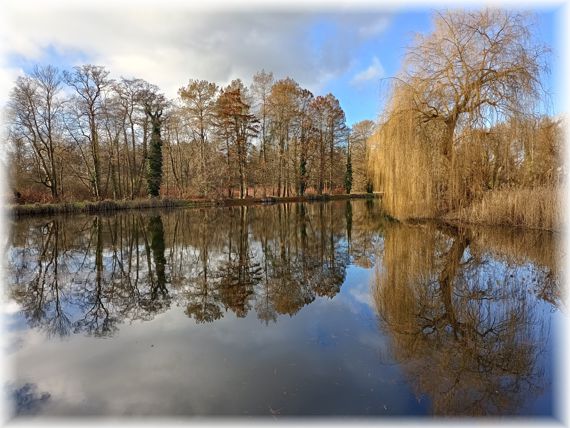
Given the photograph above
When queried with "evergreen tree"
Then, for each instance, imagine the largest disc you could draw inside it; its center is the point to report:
(154, 165)
(154, 104)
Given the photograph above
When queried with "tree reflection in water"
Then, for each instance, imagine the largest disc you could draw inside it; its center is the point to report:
(89, 274)
(462, 310)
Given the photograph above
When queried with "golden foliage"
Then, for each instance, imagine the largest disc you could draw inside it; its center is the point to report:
(402, 160)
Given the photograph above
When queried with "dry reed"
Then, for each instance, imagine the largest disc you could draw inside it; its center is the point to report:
(536, 208)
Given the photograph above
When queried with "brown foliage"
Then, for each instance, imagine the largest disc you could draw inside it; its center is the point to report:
(276, 139)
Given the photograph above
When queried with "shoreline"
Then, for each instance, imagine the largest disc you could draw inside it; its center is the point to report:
(16, 211)
(106, 206)
(463, 223)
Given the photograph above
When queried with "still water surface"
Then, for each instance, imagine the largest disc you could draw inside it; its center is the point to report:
(292, 309)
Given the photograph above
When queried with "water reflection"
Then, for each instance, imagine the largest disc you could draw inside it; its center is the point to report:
(186, 297)
(89, 274)
(464, 313)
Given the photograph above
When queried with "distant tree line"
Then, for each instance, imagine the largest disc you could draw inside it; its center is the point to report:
(80, 134)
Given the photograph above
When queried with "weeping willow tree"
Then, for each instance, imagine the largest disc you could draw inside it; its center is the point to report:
(405, 165)
(475, 72)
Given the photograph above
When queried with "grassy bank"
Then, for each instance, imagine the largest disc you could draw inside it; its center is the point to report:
(535, 208)
(119, 205)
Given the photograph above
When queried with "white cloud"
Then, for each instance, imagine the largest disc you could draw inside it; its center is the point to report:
(169, 43)
(8, 76)
(375, 28)
(374, 72)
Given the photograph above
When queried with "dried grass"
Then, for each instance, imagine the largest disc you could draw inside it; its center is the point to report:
(535, 208)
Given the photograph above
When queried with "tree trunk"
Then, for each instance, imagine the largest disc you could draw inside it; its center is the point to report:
(447, 277)
(96, 158)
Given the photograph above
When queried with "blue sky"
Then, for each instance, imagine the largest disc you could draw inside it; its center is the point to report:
(345, 52)
(364, 100)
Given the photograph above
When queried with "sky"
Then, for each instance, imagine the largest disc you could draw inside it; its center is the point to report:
(349, 51)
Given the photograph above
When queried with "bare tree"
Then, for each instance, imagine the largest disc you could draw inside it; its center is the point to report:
(134, 131)
(304, 127)
(36, 111)
(474, 69)
(283, 110)
(359, 135)
(261, 89)
(89, 82)
(199, 98)
(329, 122)
(237, 126)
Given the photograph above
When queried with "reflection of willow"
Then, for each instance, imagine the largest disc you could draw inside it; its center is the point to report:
(462, 325)
(131, 266)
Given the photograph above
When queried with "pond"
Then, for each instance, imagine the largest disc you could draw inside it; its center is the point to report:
(324, 308)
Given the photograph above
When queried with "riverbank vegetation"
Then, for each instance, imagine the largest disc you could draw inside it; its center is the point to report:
(535, 208)
(465, 134)
(80, 135)
(109, 205)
